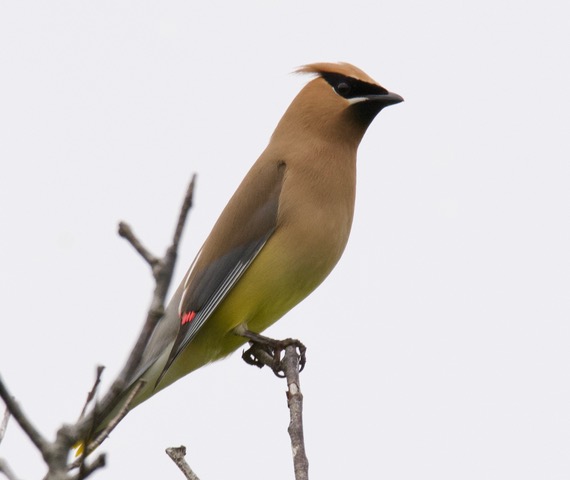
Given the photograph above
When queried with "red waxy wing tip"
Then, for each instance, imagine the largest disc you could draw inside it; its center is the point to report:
(187, 317)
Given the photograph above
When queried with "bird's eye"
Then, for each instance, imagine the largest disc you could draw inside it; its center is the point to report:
(343, 89)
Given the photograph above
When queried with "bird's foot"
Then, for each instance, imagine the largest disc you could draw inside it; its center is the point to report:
(268, 351)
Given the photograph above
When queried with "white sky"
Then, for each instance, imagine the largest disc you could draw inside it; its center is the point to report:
(440, 346)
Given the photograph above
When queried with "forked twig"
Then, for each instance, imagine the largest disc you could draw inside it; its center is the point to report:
(55, 453)
(162, 270)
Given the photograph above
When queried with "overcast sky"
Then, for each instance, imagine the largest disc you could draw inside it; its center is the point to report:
(439, 348)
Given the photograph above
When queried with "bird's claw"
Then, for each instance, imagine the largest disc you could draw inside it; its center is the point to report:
(266, 351)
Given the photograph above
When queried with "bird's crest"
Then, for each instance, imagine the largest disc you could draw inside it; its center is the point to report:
(341, 68)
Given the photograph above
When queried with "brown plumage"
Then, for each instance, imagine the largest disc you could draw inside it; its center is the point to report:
(281, 233)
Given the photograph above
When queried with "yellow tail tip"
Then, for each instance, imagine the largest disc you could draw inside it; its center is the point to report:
(79, 447)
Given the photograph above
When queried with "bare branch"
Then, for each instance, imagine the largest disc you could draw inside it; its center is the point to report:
(15, 410)
(7, 471)
(267, 351)
(177, 455)
(4, 423)
(93, 392)
(88, 469)
(126, 232)
(186, 206)
(290, 365)
(55, 453)
(163, 271)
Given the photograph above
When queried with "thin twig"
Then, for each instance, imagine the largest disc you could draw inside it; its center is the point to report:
(35, 436)
(290, 366)
(267, 351)
(163, 272)
(126, 232)
(177, 455)
(93, 392)
(7, 471)
(88, 469)
(4, 423)
(186, 206)
(55, 453)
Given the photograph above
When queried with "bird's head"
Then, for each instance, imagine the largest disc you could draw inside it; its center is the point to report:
(340, 102)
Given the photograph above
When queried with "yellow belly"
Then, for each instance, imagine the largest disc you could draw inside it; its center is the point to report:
(276, 281)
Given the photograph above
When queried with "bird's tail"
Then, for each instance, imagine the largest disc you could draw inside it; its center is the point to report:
(79, 448)
(104, 421)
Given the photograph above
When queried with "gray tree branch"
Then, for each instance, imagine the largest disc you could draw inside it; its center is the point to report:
(4, 424)
(55, 453)
(286, 358)
(290, 366)
(177, 455)
(281, 356)
(7, 471)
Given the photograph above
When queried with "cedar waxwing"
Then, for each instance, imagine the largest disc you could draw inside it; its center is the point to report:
(279, 236)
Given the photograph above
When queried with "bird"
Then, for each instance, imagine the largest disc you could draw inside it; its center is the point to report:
(280, 235)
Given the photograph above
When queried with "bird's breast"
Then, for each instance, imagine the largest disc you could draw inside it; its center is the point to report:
(313, 225)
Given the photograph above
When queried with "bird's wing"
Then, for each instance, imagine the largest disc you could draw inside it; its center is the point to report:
(238, 236)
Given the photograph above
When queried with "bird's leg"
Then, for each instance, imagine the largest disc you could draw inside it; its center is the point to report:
(268, 351)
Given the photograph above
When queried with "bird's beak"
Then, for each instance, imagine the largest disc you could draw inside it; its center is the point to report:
(385, 100)
(379, 101)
